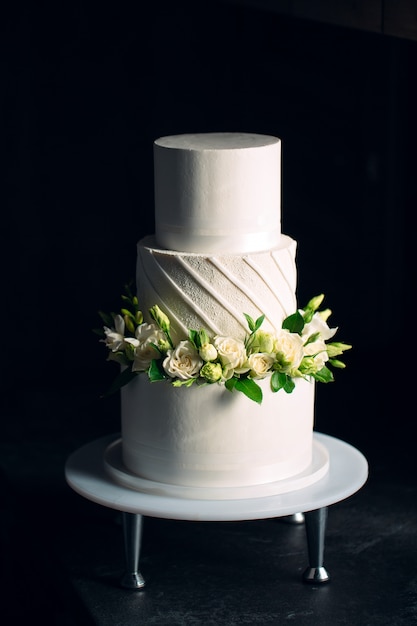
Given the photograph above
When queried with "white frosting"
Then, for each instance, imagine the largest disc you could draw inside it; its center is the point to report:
(211, 437)
(218, 254)
(218, 192)
(214, 291)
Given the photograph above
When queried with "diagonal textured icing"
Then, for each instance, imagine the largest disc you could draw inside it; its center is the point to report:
(214, 291)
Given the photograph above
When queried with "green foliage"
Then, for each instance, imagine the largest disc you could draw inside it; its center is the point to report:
(120, 381)
(155, 371)
(254, 325)
(294, 323)
(119, 334)
(246, 386)
(280, 380)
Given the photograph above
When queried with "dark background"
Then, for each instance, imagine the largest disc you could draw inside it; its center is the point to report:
(87, 88)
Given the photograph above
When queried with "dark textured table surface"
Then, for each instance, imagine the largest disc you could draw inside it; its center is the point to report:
(62, 556)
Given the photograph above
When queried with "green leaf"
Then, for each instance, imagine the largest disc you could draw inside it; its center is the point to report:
(294, 323)
(249, 388)
(324, 375)
(250, 322)
(259, 322)
(120, 381)
(194, 337)
(280, 380)
(155, 347)
(183, 383)
(289, 385)
(107, 318)
(155, 371)
(230, 384)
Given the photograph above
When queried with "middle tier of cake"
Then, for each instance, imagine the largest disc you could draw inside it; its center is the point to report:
(215, 292)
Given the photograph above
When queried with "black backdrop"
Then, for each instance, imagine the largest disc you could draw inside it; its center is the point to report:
(85, 91)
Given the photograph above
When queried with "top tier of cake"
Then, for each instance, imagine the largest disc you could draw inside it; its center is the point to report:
(217, 192)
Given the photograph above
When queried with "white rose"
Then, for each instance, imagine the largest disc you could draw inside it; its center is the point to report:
(232, 355)
(231, 351)
(289, 350)
(183, 362)
(260, 364)
(145, 336)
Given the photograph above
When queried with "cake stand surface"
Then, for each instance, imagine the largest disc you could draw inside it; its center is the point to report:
(348, 471)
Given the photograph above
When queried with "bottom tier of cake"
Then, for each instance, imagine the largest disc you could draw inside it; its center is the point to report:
(211, 437)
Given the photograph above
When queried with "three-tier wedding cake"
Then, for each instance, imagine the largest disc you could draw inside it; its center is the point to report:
(219, 364)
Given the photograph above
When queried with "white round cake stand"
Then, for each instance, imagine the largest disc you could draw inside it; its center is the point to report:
(348, 471)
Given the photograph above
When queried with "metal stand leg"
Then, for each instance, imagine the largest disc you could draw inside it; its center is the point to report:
(132, 529)
(316, 530)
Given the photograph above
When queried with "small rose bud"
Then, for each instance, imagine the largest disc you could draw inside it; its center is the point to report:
(129, 324)
(325, 314)
(312, 307)
(308, 366)
(315, 302)
(160, 318)
(208, 352)
(336, 363)
(261, 341)
(203, 337)
(164, 346)
(212, 372)
(336, 347)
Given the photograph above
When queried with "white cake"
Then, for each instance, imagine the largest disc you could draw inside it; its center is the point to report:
(217, 256)
(210, 437)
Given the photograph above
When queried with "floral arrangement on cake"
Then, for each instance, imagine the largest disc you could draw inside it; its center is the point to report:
(300, 349)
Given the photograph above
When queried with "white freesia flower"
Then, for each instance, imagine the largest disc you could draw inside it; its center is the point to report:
(318, 325)
(289, 350)
(317, 350)
(183, 362)
(232, 355)
(260, 364)
(145, 336)
(115, 336)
